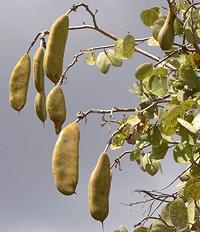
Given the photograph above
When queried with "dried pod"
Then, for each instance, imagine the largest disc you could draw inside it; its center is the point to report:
(65, 159)
(19, 81)
(53, 58)
(38, 72)
(99, 188)
(167, 32)
(56, 108)
(40, 106)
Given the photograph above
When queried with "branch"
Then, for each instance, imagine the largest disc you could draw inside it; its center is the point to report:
(167, 57)
(119, 130)
(191, 6)
(181, 174)
(41, 34)
(81, 115)
(75, 59)
(118, 159)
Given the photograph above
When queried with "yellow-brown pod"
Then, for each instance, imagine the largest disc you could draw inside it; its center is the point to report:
(99, 188)
(40, 106)
(166, 34)
(54, 54)
(38, 71)
(19, 81)
(65, 160)
(56, 108)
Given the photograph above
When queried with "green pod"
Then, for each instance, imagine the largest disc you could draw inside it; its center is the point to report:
(53, 58)
(19, 81)
(40, 106)
(167, 32)
(65, 160)
(38, 71)
(99, 188)
(56, 108)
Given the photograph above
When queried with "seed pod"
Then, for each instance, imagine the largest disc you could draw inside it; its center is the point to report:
(56, 107)
(99, 188)
(19, 81)
(53, 58)
(167, 33)
(38, 72)
(65, 159)
(40, 106)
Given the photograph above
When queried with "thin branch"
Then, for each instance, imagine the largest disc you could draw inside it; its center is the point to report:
(153, 57)
(191, 6)
(119, 130)
(42, 34)
(75, 59)
(118, 159)
(33, 42)
(81, 115)
(181, 174)
(167, 57)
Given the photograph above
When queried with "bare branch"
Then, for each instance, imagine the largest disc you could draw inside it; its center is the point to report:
(181, 174)
(82, 115)
(167, 57)
(41, 34)
(118, 159)
(120, 129)
(33, 42)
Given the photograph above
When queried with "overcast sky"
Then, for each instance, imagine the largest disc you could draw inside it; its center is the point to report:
(29, 201)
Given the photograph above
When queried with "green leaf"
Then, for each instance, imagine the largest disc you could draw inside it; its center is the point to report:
(191, 37)
(114, 60)
(90, 58)
(168, 118)
(185, 176)
(159, 152)
(165, 214)
(120, 137)
(187, 125)
(143, 71)
(192, 189)
(178, 26)
(180, 153)
(149, 16)
(151, 166)
(135, 154)
(178, 214)
(186, 136)
(160, 71)
(103, 62)
(117, 142)
(140, 229)
(125, 47)
(159, 226)
(152, 42)
(196, 122)
(191, 212)
(154, 136)
(133, 119)
(123, 229)
(158, 85)
(190, 77)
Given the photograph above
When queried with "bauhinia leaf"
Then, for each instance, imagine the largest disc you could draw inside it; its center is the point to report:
(125, 47)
